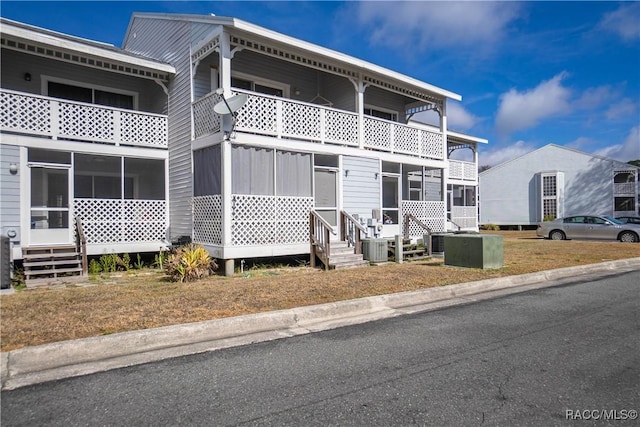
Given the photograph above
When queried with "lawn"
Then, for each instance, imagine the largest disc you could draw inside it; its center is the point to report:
(146, 299)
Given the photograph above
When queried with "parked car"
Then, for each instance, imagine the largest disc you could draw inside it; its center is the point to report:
(629, 219)
(589, 227)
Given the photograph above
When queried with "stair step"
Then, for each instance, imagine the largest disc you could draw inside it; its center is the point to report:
(352, 264)
(55, 272)
(51, 262)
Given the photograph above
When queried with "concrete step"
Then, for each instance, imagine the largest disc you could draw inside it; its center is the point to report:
(349, 264)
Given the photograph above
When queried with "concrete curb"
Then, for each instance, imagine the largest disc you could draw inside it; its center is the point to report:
(65, 359)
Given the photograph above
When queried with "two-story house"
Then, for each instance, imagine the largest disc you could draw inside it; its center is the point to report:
(218, 131)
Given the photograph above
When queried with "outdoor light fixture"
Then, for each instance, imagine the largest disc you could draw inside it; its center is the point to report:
(13, 168)
(346, 172)
(27, 77)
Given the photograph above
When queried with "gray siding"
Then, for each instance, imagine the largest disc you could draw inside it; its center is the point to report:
(361, 189)
(151, 97)
(509, 193)
(10, 190)
(169, 41)
(377, 97)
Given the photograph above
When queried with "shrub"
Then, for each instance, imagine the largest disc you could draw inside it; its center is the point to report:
(491, 227)
(188, 263)
(94, 267)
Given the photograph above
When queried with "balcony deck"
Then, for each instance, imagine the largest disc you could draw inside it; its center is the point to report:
(58, 119)
(288, 119)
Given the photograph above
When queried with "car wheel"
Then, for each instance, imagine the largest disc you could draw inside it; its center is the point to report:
(557, 235)
(629, 237)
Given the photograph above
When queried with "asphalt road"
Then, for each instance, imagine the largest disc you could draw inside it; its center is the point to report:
(542, 357)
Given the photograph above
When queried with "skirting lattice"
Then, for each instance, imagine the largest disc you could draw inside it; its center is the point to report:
(431, 213)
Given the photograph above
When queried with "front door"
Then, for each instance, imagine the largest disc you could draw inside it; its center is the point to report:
(49, 208)
(326, 196)
(391, 215)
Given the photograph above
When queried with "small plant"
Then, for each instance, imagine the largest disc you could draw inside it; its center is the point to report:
(18, 279)
(188, 263)
(109, 262)
(124, 261)
(94, 267)
(159, 260)
(139, 264)
(548, 218)
(491, 227)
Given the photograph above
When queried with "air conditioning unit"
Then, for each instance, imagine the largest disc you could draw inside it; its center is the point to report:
(375, 250)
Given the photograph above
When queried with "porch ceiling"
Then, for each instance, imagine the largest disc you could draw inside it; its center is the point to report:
(61, 47)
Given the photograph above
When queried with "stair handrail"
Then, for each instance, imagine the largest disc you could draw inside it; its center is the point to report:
(319, 239)
(408, 217)
(81, 245)
(351, 231)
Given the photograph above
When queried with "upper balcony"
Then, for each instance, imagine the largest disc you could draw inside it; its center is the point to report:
(58, 119)
(291, 119)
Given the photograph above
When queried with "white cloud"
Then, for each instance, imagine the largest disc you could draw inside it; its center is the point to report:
(627, 151)
(458, 118)
(624, 107)
(522, 110)
(625, 21)
(594, 97)
(436, 24)
(498, 155)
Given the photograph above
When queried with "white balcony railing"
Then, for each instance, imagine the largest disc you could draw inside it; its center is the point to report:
(624, 188)
(54, 118)
(466, 171)
(285, 118)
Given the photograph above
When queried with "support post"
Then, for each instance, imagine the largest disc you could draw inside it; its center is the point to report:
(399, 249)
(229, 267)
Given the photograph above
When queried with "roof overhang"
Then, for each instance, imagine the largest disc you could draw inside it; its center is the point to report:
(61, 47)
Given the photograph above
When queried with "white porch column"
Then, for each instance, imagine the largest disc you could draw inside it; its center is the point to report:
(360, 87)
(445, 172)
(225, 149)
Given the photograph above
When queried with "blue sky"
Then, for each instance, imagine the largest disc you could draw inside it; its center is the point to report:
(530, 73)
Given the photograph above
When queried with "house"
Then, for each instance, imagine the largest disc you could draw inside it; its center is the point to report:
(556, 181)
(218, 131)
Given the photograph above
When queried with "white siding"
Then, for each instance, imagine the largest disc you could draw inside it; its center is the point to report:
(509, 192)
(361, 189)
(169, 41)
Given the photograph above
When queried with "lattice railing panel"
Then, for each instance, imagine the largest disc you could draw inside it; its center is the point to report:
(258, 220)
(258, 115)
(86, 122)
(470, 171)
(55, 118)
(433, 214)
(455, 169)
(341, 128)
(205, 120)
(406, 140)
(464, 216)
(25, 113)
(432, 145)
(207, 219)
(377, 134)
(143, 129)
(300, 120)
(122, 221)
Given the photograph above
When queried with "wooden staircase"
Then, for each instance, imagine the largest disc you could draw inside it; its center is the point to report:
(343, 256)
(410, 251)
(44, 265)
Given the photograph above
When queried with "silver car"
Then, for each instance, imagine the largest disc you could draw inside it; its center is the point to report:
(589, 227)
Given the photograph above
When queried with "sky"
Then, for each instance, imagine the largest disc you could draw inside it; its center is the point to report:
(529, 73)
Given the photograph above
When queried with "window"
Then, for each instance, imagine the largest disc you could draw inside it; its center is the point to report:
(256, 84)
(551, 194)
(624, 204)
(381, 113)
(91, 95)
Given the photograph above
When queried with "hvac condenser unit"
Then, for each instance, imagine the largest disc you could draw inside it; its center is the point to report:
(375, 250)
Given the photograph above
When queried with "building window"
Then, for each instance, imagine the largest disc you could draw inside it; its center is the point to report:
(260, 85)
(624, 204)
(381, 113)
(551, 193)
(90, 95)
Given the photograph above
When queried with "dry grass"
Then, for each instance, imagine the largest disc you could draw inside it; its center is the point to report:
(129, 301)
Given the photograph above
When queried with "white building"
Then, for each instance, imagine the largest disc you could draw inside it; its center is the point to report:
(128, 141)
(555, 181)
